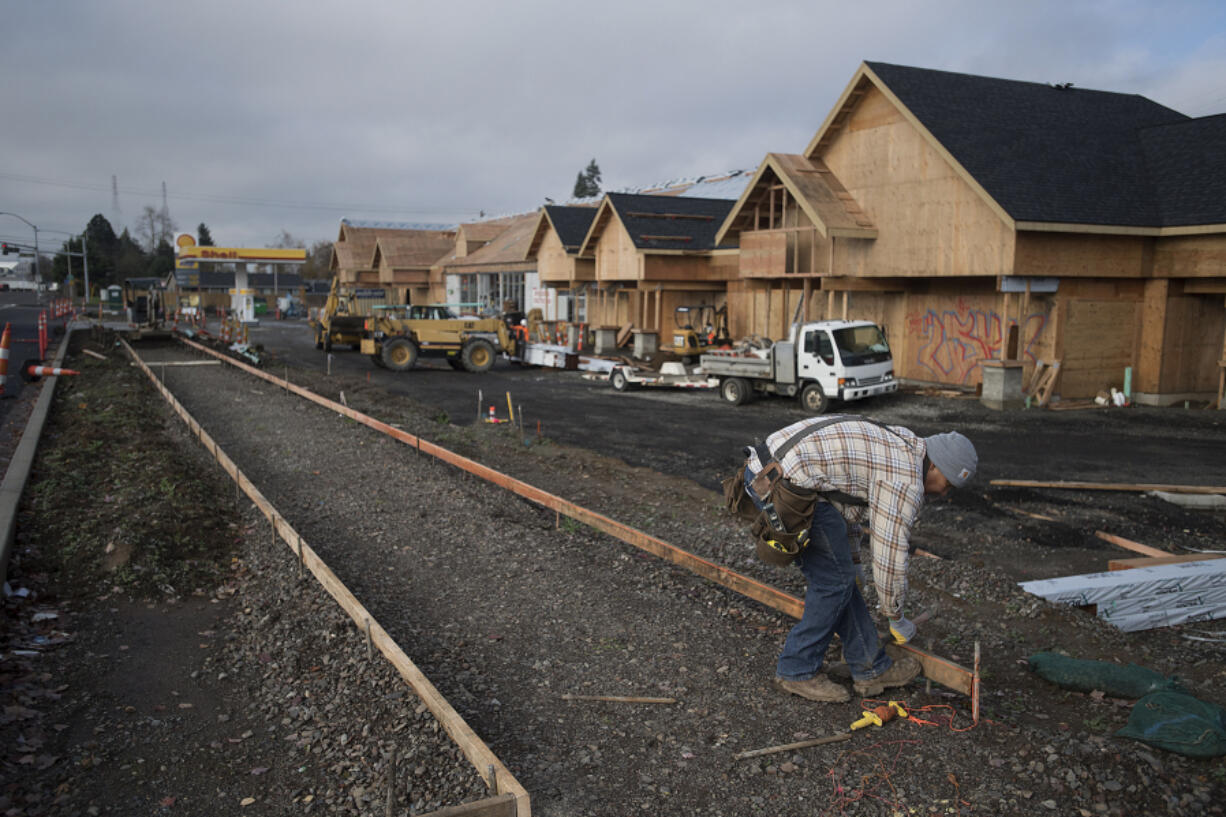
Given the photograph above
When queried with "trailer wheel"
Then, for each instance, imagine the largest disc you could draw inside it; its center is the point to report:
(813, 399)
(399, 354)
(617, 379)
(735, 390)
(478, 355)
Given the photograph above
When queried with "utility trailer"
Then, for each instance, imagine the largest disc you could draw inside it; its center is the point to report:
(819, 362)
(672, 374)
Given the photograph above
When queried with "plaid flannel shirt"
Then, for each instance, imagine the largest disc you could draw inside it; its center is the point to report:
(866, 461)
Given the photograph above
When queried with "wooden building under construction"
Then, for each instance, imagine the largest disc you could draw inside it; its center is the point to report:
(651, 254)
(979, 219)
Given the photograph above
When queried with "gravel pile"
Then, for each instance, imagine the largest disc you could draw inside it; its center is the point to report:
(507, 609)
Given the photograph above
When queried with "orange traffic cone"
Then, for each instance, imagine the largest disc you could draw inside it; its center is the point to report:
(33, 371)
(4, 356)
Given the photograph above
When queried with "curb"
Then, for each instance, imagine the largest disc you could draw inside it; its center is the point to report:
(18, 472)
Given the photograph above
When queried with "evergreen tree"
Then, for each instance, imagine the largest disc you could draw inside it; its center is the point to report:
(203, 237)
(587, 183)
(162, 261)
(130, 259)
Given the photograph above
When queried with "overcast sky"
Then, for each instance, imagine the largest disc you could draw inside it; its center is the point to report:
(265, 116)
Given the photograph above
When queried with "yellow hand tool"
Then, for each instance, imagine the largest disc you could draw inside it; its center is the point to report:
(880, 715)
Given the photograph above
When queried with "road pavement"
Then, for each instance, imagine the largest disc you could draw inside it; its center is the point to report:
(694, 434)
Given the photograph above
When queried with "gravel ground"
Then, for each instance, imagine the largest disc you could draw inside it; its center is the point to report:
(507, 609)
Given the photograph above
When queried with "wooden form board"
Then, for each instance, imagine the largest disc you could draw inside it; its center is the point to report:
(1155, 561)
(941, 670)
(1128, 544)
(1139, 487)
(474, 749)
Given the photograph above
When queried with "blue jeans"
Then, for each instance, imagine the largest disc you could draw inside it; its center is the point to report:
(833, 604)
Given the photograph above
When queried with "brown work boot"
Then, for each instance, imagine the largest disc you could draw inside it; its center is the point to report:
(904, 670)
(818, 688)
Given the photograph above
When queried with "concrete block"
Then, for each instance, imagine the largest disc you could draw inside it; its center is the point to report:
(646, 343)
(606, 340)
(1002, 385)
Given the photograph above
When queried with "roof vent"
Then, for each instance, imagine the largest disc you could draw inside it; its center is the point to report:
(1062, 86)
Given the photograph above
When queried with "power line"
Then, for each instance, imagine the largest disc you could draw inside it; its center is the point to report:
(115, 189)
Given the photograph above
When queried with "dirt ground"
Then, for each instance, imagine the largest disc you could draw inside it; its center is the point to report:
(537, 606)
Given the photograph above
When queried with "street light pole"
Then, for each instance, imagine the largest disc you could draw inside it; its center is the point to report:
(37, 273)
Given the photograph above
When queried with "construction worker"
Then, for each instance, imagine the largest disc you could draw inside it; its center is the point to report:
(865, 472)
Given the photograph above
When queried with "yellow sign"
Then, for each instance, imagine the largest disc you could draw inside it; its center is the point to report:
(185, 240)
(254, 255)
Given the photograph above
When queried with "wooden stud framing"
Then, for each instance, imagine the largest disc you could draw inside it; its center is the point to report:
(1157, 561)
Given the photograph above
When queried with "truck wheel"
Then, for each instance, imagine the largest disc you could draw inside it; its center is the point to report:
(618, 380)
(478, 355)
(399, 354)
(378, 361)
(813, 399)
(735, 390)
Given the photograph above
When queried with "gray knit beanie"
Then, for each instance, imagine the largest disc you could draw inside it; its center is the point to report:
(954, 455)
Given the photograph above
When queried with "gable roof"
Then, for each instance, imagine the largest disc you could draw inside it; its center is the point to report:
(571, 224)
(1041, 154)
(415, 248)
(815, 188)
(1187, 162)
(507, 250)
(661, 223)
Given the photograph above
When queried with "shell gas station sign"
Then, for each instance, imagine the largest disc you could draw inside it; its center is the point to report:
(188, 255)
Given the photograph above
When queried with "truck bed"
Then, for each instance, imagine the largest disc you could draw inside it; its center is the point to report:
(729, 365)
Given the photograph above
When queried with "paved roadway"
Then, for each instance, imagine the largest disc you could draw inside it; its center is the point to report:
(19, 309)
(695, 434)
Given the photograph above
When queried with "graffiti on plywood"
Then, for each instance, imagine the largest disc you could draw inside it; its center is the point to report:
(951, 343)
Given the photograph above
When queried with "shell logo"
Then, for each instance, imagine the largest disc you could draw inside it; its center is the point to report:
(185, 240)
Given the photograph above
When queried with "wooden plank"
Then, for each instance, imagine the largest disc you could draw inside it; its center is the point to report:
(623, 334)
(500, 805)
(1040, 367)
(1048, 383)
(1155, 561)
(942, 671)
(1139, 487)
(473, 748)
(1128, 544)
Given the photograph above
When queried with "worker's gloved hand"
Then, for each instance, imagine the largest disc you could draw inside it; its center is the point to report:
(902, 629)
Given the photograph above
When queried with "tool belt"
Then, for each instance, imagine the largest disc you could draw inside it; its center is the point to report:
(780, 512)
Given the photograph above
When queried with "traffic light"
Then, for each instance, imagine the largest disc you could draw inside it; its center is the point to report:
(8, 248)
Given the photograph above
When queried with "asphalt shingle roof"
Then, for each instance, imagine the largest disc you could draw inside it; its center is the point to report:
(1045, 153)
(1187, 162)
(671, 222)
(571, 224)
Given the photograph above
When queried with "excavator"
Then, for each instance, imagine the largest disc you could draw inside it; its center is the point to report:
(699, 328)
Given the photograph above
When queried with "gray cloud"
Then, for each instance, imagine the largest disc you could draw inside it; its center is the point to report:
(433, 112)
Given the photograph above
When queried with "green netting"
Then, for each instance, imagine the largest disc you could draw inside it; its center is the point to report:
(1177, 722)
(1118, 681)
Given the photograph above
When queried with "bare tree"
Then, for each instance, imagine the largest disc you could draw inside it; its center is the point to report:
(153, 227)
(287, 241)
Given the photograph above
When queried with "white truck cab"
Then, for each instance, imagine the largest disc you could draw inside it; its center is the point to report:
(820, 362)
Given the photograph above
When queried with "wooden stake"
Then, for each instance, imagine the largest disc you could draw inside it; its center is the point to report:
(975, 686)
(787, 747)
(619, 699)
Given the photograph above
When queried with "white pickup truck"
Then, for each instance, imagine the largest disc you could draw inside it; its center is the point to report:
(820, 362)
